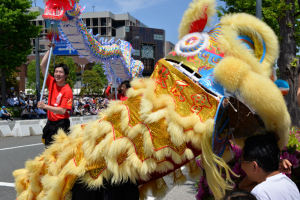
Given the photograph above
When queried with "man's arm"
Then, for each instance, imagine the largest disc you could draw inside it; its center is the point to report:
(285, 166)
(5, 114)
(45, 60)
(56, 110)
(44, 63)
(107, 91)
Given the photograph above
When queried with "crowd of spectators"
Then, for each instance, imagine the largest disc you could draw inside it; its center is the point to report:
(88, 105)
(27, 104)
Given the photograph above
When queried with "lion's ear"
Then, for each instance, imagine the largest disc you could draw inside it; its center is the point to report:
(196, 16)
(251, 40)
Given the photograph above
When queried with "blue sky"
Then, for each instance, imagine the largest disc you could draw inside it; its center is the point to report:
(163, 14)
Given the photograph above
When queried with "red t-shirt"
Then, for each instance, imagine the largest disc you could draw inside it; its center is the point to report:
(59, 97)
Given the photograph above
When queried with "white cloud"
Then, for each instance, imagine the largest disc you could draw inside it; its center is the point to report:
(132, 5)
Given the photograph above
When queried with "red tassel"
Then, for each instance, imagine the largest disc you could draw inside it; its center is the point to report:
(199, 25)
(50, 36)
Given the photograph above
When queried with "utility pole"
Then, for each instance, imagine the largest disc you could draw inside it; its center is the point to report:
(258, 9)
(37, 67)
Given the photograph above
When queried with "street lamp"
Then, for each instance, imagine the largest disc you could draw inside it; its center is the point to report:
(81, 72)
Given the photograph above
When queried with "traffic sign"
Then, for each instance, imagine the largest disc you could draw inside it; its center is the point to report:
(63, 48)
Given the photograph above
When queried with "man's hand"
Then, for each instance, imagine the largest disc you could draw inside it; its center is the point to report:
(225, 102)
(285, 166)
(41, 105)
(51, 45)
(56, 110)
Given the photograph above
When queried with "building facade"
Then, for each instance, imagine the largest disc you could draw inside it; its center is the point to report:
(148, 45)
(169, 46)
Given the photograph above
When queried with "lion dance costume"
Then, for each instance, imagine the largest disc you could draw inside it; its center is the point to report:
(174, 116)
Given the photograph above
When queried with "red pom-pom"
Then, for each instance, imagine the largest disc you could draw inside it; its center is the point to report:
(199, 25)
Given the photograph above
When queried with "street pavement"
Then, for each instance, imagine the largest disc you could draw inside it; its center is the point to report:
(14, 151)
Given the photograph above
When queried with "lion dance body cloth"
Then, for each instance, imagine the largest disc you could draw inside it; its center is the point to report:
(174, 116)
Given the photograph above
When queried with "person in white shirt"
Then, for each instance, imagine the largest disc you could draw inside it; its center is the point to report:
(260, 162)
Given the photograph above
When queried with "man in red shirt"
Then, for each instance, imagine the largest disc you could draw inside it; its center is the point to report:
(59, 101)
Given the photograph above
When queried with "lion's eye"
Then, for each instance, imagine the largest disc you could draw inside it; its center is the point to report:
(192, 44)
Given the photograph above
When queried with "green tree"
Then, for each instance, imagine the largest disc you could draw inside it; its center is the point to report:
(31, 79)
(99, 69)
(15, 33)
(93, 80)
(12, 82)
(283, 17)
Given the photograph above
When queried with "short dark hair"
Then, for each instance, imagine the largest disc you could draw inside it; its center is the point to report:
(64, 66)
(239, 195)
(126, 83)
(263, 149)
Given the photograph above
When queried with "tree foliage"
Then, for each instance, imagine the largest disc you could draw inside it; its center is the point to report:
(31, 76)
(93, 80)
(99, 69)
(12, 82)
(272, 12)
(16, 30)
(283, 17)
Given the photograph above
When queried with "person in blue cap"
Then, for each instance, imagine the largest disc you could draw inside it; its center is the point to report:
(5, 114)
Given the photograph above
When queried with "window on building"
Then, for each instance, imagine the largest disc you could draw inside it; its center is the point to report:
(103, 31)
(95, 31)
(118, 23)
(158, 37)
(40, 23)
(95, 21)
(113, 33)
(147, 51)
(148, 66)
(88, 22)
(103, 22)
